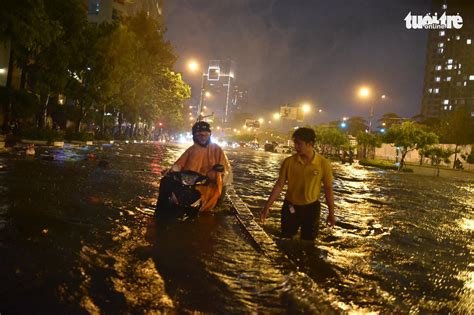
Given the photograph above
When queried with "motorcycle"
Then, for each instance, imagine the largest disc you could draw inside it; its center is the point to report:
(178, 196)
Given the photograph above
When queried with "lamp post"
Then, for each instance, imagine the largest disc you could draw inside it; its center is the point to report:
(364, 93)
(193, 66)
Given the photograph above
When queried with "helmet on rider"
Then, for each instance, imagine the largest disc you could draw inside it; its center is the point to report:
(202, 140)
(201, 126)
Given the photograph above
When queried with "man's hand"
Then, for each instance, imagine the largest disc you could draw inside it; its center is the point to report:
(331, 219)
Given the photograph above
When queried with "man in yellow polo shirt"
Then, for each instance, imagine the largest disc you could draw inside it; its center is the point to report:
(304, 172)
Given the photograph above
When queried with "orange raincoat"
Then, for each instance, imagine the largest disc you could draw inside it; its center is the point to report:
(202, 159)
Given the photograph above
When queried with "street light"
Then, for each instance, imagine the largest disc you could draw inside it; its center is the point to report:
(194, 66)
(364, 93)
(306, 108)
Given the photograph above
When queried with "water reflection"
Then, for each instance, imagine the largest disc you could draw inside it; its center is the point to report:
(78, 237)
(396, 244)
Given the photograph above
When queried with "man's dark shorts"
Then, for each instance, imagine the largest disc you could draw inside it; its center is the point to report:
(306, 217)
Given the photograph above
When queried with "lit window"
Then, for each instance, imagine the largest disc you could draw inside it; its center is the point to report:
(440, 44)
(441, 33)
(459, 66)
(446, 102)
(445, 107)
(430, 90)
(436, 91)
(437, 79)
(459, 72)
(465, 83)
(448, 79)
(458, 37)
(450, 107)
(438, 67)
(445, 6)
(471, 77)
(450, 61)
(468, 41)
(449, 67)
(440, 50)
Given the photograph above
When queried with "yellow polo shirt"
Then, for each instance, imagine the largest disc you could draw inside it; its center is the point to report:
(304, 180)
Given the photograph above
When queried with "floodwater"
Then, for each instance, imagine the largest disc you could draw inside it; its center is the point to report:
(77, 235)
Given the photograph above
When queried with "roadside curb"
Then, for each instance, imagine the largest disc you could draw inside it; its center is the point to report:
(270, 249)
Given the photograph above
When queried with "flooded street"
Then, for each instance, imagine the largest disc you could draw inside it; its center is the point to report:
(77, 235)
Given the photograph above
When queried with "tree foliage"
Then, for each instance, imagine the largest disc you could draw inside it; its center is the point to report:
(122, 68)
(330, 139)
(409, 136)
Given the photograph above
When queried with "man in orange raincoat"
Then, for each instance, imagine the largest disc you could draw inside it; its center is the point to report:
(200, 158)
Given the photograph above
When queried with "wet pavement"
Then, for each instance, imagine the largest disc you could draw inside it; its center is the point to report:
(77, 235)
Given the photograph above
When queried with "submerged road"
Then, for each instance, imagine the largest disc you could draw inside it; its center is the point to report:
(78, 236)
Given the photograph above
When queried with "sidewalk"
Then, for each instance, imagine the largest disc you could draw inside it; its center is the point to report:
(441, 172)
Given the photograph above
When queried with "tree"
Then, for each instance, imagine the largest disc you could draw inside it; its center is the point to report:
(47, 67)
(330, 139)
(355, 125)
(432, 123)
(27, 29)
(368, 140)
(435, 154)
(390, 119)
(457, 128)
(409, 136)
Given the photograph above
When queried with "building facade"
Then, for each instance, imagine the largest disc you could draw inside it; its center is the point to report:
(449, 71)
(99, 11)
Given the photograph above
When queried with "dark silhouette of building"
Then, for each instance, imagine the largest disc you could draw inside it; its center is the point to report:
(449, 71)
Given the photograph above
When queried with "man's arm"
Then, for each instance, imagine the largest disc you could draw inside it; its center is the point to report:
(273, 196)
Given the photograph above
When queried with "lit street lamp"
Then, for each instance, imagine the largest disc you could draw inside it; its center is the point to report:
(365, 93)
(193, 66)
(306, 108)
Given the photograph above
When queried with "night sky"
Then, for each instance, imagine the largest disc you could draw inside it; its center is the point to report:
(290, 51)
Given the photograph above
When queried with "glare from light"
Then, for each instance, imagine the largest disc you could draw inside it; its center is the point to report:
(208, 94)
(306, 108)
(260, 120)
(193, 66)
(276, 116)
(364, 92)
